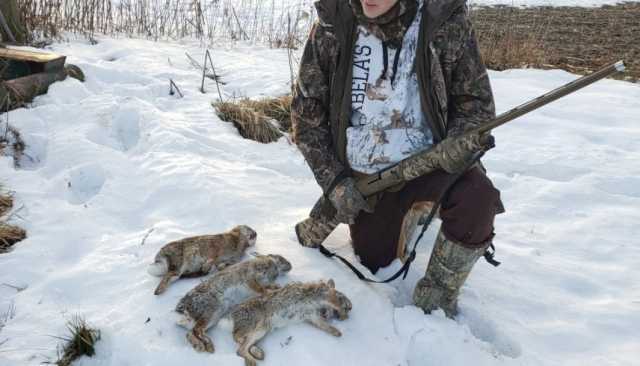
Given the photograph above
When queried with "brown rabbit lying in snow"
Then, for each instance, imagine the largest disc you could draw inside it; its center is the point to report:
(198, 255)
(314, 303)
(212, 299)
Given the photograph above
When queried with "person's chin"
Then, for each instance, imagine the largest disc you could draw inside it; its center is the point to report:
(370, 11)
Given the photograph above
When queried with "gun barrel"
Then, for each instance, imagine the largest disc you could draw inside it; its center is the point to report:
(551, 96)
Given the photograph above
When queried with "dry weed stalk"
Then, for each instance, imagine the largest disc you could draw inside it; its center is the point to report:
(11, 143)
(7, 315)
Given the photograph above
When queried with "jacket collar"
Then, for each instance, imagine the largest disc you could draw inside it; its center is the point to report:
(391, 26)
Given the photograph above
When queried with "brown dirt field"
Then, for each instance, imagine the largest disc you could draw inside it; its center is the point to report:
(579, 40)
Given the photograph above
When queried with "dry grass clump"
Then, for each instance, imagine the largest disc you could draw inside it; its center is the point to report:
(253, 118)
(80, 342)
(6, 202)
(9, 235)
(278, 108)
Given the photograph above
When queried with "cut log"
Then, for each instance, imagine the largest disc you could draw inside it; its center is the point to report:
(17, 92)
(19, 63)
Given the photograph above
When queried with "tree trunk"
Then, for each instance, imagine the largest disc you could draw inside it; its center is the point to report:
(11, 28)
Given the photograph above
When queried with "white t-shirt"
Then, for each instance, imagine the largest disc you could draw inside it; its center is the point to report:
(387, 123)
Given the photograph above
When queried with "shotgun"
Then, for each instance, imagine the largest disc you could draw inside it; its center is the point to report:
(314, 230)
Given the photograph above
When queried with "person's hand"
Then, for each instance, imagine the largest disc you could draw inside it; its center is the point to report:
(455, 153)
(348, 201)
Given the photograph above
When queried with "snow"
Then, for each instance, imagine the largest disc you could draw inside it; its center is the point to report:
(116, 158)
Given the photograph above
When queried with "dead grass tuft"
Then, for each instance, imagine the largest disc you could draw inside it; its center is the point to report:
(9, 235)
(6, 202)
(277, 108)
(80, 342)
(253, 118)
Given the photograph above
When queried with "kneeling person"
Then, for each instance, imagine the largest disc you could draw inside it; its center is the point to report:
(379, 81)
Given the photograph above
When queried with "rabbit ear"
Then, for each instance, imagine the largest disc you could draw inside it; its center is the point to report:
(331, 283)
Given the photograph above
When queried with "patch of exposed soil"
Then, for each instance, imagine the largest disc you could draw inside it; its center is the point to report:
(576, 39)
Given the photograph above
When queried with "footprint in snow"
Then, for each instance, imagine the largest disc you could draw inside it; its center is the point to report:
(548, 171)
(125, 127)
(624, 186)
(119, 130)
(483, 328)
(116, 55)
(84, 182)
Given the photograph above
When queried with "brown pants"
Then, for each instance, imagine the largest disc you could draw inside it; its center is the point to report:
(467, 215)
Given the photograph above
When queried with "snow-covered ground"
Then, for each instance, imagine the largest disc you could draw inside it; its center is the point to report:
(117, 158)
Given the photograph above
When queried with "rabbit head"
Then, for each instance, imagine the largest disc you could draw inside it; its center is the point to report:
(246, 233)
(283, 265)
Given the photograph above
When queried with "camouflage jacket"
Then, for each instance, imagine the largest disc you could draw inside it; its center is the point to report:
(453, 82)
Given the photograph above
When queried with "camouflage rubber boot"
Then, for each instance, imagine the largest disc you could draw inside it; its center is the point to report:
(448, 269)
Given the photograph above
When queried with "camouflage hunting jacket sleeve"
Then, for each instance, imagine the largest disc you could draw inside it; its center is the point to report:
(310, 107)
(470, 96)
